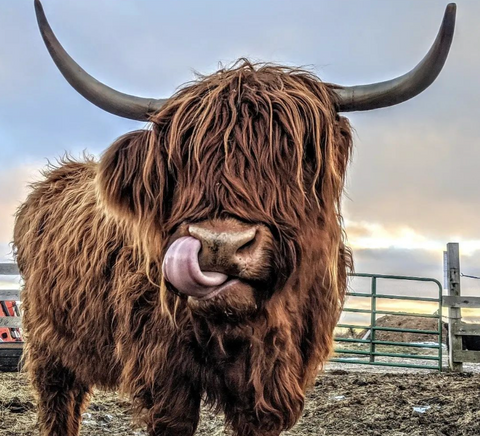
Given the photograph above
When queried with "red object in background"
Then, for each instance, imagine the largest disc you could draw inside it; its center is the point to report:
(9, 308)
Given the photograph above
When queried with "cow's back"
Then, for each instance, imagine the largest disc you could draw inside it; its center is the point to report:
(66, 249)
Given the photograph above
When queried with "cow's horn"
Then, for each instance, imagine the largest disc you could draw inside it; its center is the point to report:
(106, 98)
(395, 91)
(352, 98)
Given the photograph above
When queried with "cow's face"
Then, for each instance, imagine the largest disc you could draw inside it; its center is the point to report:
(254, 154)
(238, 183)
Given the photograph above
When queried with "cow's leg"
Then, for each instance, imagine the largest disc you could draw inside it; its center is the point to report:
(172, 412)
(251, 421)
(249, 426)
(61, 398)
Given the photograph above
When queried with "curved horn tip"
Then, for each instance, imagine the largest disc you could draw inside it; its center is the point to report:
(40, 13)
(38, 5)
(450, 12)
(451, 7)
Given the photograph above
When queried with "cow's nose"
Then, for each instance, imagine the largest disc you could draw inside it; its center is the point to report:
(226, 251)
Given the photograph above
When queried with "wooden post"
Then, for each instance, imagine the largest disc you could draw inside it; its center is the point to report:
(454, 313)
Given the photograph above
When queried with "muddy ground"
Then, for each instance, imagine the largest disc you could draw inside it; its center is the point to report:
(342, 403)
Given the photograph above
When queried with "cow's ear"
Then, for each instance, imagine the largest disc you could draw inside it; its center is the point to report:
(132, 177)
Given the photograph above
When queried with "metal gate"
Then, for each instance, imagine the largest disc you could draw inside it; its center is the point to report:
(373, 348)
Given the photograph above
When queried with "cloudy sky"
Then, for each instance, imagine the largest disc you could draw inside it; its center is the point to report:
(414, 181)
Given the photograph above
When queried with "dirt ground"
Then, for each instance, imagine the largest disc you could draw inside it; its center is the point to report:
(342, 403)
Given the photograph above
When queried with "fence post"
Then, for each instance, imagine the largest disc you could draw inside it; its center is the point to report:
(373, 320)
(454, 313)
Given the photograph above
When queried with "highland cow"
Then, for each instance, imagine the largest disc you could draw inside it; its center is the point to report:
(202, 259)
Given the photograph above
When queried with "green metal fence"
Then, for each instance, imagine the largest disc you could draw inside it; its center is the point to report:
(433, 361)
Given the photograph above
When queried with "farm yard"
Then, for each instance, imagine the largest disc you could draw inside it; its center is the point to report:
(347, 399)
(353, 403)
(215, 251)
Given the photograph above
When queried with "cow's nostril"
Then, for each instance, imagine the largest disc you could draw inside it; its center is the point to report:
(247, 242)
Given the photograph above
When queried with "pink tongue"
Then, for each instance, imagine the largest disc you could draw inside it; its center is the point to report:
(182, 270)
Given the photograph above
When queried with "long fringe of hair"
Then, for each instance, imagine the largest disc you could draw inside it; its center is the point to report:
(261, 142)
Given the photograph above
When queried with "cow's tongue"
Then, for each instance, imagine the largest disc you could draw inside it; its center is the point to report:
(182, 270)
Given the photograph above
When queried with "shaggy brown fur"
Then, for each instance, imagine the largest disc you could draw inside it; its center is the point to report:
(254, 143)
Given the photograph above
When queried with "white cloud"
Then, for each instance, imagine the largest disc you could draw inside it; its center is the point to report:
(367, 235)
(16, 179)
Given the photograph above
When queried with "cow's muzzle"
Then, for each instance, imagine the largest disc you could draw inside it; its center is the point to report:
(215, 256)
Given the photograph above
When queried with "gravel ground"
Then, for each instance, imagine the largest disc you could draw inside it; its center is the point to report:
(348, 400)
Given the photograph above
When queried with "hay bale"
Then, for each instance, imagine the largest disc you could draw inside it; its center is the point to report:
(406, 322)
